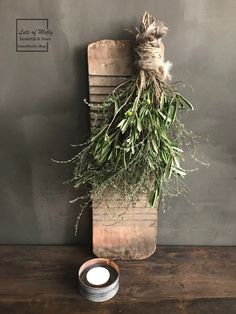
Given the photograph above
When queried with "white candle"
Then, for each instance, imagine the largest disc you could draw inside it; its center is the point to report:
(98, 275)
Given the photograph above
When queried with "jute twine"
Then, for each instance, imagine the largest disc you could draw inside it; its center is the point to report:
(148, 48)
(149, 57)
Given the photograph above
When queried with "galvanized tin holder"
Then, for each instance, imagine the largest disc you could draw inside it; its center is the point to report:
(99, 293)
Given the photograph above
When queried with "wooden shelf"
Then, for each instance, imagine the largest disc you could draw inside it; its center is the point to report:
(43, 279)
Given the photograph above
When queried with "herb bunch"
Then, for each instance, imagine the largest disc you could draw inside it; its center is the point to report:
(138, 148)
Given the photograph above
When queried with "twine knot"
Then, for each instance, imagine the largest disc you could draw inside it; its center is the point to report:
(149, 49)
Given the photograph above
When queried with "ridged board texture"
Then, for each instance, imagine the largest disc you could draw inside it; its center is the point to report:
(110, 62)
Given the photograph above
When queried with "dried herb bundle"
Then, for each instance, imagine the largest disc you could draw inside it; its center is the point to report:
(139, 146)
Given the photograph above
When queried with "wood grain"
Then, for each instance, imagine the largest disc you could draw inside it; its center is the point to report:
(110, 63)
(99, 80)
(186, 280)
(111, 58)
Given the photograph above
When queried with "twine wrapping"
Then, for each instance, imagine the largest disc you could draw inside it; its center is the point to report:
(149, 50)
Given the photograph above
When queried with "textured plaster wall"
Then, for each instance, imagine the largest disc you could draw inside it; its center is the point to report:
(42, 112)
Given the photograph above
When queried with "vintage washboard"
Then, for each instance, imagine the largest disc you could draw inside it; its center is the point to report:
(110, 62)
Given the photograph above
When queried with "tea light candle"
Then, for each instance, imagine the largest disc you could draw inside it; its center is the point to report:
(98, 275)
(98, 279)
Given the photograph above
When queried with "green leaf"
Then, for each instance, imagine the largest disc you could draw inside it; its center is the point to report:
(154, 144)
(176, 160)
(154, 195)
(97, 148)
(116, 107)
(110, 155)
(177, 149)
(186, 101)
(169, 168)
(162, 100)
(164, 136)
(132, 149)
(121, 124)
(175, 105)
(164, 156)
(179, 171)
(125, 126)
(139, 126)
(162, 114)
(107, 138)
(151, 164)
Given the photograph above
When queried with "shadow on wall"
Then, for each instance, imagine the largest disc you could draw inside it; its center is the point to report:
(80, 66)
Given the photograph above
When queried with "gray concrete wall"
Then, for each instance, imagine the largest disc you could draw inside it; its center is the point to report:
(42, 112)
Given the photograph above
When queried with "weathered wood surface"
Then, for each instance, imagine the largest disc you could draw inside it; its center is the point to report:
(110, 58)
(110, 63)
(178, 280)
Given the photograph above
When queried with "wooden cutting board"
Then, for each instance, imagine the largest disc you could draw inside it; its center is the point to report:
(110, 62)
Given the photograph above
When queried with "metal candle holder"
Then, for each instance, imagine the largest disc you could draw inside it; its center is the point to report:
(101, 292)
